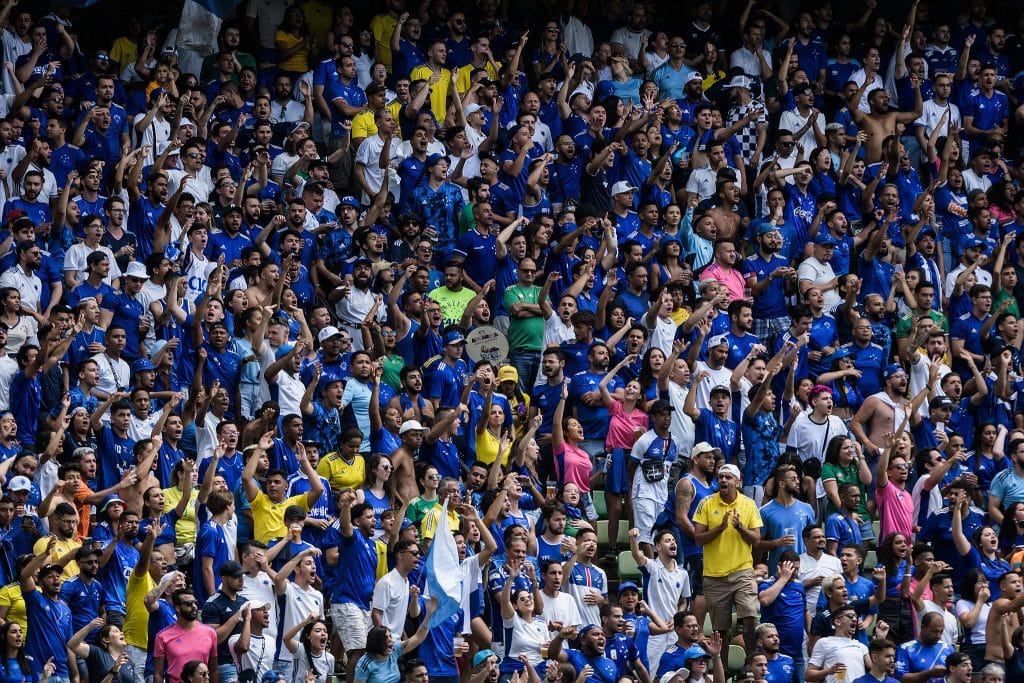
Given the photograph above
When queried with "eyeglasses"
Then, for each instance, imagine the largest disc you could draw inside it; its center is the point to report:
(103, 58)
(228, 185)
(433, 477)
(527, 270)
(188, 603)
(195, 155)
(414, 553)
(386, 468)
(389, 334)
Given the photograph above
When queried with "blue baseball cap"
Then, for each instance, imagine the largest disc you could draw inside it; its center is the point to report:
(142, 365)
(435, 158)
(840, 353)
(695, 652)
(765, 227)
(972, 242)
(628, 586)
(825, 239)
(891, 370)
(283, 351)
(482, 656)
(349, 200)
(454, 337)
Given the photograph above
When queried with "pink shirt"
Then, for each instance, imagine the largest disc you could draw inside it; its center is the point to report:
(732, 279)
(180, 646)
(573, 465)
(622, 429)
(895, 511)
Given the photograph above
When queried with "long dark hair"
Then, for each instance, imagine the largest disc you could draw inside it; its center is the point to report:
(1008, 530)
(377, 641)
(304, 639)
(21, 657)
(969, 587)
(887, 554)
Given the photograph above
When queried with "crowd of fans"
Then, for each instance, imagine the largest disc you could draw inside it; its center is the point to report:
(761, 413)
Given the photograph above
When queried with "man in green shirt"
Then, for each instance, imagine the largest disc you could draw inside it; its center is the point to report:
(526, 322)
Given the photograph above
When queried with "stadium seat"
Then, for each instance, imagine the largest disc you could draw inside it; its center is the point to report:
(870, 560)
(603, 533)
(600, 504)
(626, 566)
(737, 658)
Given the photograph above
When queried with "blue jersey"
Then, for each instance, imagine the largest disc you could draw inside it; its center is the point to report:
(128, 313)
(84, 598)
(358, 555)
(782, 669)
(771, 302)
(211, 541)
(787, 613)
(913, 657)
(777, 518)
(605, 670)
(114, 575)
(446, 382)
(438, 649)
(50, 633)
(594, 419)
(115, 455)
(621, 649)
(720, 433)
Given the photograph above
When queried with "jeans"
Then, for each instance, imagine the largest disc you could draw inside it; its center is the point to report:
(285, 667)
(527, 364)
(137, 656)
(228, 673)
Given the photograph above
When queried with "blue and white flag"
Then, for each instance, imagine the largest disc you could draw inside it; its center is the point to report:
(443, 571)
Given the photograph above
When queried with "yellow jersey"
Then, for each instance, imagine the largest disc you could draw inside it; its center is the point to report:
(428, 527)
(340, 474)
(438, 91)
(268, 516)
(136, 620)
(62, 549)
(728, 553)
(14, 601)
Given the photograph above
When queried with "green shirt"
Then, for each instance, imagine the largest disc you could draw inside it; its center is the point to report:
(525, 334)
(903, 326)
(453, 304)
(393, 365)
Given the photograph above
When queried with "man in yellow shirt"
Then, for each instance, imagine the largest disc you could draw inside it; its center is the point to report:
(268, 507)
(437, 54)
(63, 526)
(142, 582)
(363, 125)
(728, 525)
(382, 26)
(482, 59)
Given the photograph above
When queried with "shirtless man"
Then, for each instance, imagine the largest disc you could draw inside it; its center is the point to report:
(1009, 603)
(267, 282)
(880, 410)
(881, 123)
(730, 223)
(404, 459)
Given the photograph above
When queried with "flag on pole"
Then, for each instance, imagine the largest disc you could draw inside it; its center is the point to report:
(443, 571)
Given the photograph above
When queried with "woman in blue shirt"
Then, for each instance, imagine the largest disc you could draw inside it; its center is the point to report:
(15, 665)
(380, 663)
(981, 552)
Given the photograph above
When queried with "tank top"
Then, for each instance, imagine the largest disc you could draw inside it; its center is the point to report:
(380, 504)
(701, 491)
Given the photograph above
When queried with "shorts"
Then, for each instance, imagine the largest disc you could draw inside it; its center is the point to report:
(351, 624)
(976, 651)
(723, 593)
(616, 477)
(694, 565)
(645, 514)
(867, 531)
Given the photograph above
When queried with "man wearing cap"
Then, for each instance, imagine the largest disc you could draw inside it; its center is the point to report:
(225, 614)
(753, 133)
(649, 462)
(440, 202)
(728, 525)
(252, 649)
(84, 593)
(446, 378)
(816, 271)
(769, 275)
(806, 122)
(49, 616)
